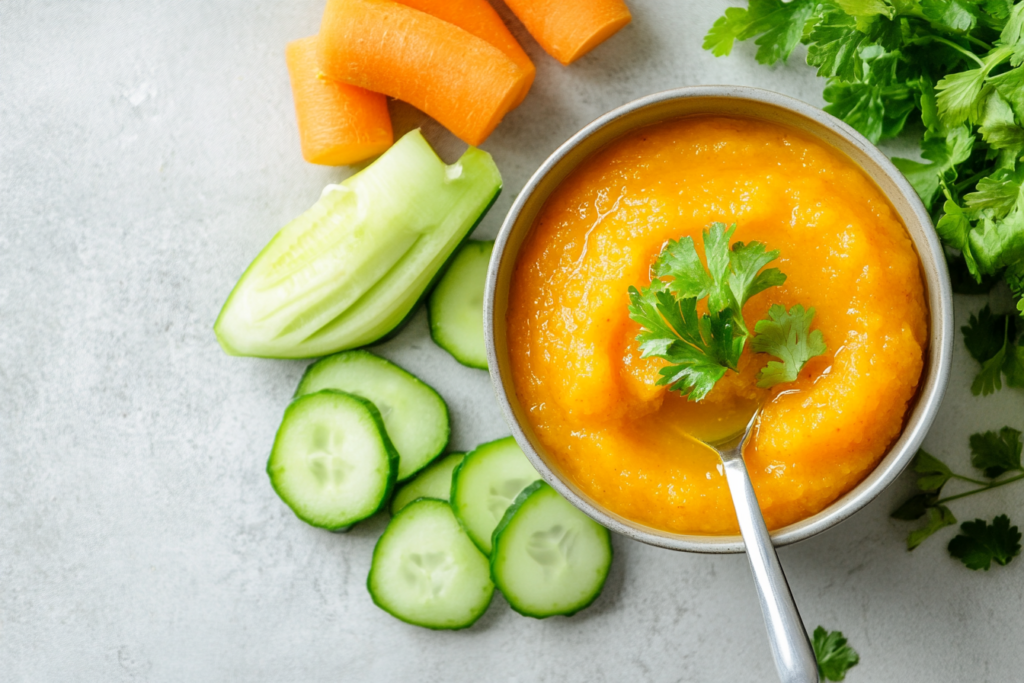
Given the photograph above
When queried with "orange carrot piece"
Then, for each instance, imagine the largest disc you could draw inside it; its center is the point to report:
(480, 19)
(464, 82)
(569, 29)
(338, 124)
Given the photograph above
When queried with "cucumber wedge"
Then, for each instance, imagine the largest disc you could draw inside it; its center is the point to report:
(486, 483)
(549, 558)
(415, 416)
(352, 267)
(456, 306)
(427, 572)
(332, 462)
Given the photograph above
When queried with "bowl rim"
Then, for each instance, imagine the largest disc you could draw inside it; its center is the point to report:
(935, 374)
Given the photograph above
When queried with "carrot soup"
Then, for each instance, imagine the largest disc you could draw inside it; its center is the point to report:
(594, 403)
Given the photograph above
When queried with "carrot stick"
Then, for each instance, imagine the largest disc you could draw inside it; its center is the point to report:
(569, 29)
(480, 19)
(464, 82)
(338, 123)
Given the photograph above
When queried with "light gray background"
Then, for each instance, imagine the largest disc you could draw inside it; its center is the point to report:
(147, 152)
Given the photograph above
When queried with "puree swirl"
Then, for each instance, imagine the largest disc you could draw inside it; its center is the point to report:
(593, 401)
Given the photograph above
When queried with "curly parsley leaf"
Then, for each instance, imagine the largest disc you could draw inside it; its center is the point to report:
(996, 452)
(979, 544)
(788, 337)
(835, 657)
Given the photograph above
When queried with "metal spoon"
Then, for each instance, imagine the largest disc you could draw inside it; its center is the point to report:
(787, 637)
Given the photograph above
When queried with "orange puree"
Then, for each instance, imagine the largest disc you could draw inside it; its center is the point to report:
(593, 402)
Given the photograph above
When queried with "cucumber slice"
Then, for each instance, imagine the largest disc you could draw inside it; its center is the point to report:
(435, 481)
(549, 558)
(332, 462)
(352, 267)
(456, 306)
(486, 483)
(415, 416)
(427, 572)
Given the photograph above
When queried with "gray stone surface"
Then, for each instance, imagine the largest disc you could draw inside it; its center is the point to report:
(147, 152)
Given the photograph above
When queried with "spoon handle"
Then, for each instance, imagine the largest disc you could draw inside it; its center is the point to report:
(791, 649)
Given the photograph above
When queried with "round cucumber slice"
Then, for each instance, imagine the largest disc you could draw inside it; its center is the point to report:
(435, 481)
(426, 571)
(415, 416)
(549, 558)
(486, 483)
(456, 306)
(332, 462)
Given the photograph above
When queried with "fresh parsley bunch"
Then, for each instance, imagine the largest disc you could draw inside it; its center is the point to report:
(701, 348)
(998, 456)
(957, 67)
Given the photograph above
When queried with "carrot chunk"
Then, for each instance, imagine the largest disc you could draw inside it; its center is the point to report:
(338, 123)
(480, 19)
(461, 80)
(569, 29)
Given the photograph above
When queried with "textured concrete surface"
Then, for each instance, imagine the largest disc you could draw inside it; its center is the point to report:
(147, 152)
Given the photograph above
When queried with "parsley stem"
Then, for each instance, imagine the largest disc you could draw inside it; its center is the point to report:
(978, 42)
(971, 481)
(987, 487)
(972, 180)
(958, 48)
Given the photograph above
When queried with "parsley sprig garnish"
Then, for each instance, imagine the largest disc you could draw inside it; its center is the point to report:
(701, 348)
(835, 657)
(998, 457)
(957, 66)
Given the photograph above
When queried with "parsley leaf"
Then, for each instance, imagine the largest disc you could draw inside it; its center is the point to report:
(945, 153)
(951, 15)
(788, 337)
(779, 25)
(961, 96)
(835, 657)
(701, 348)
(835, 45)
(996, 453)
(939, 517)
(980, 544)
(990, 341)
(726, 30)
(877, 104)
(935, 472)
